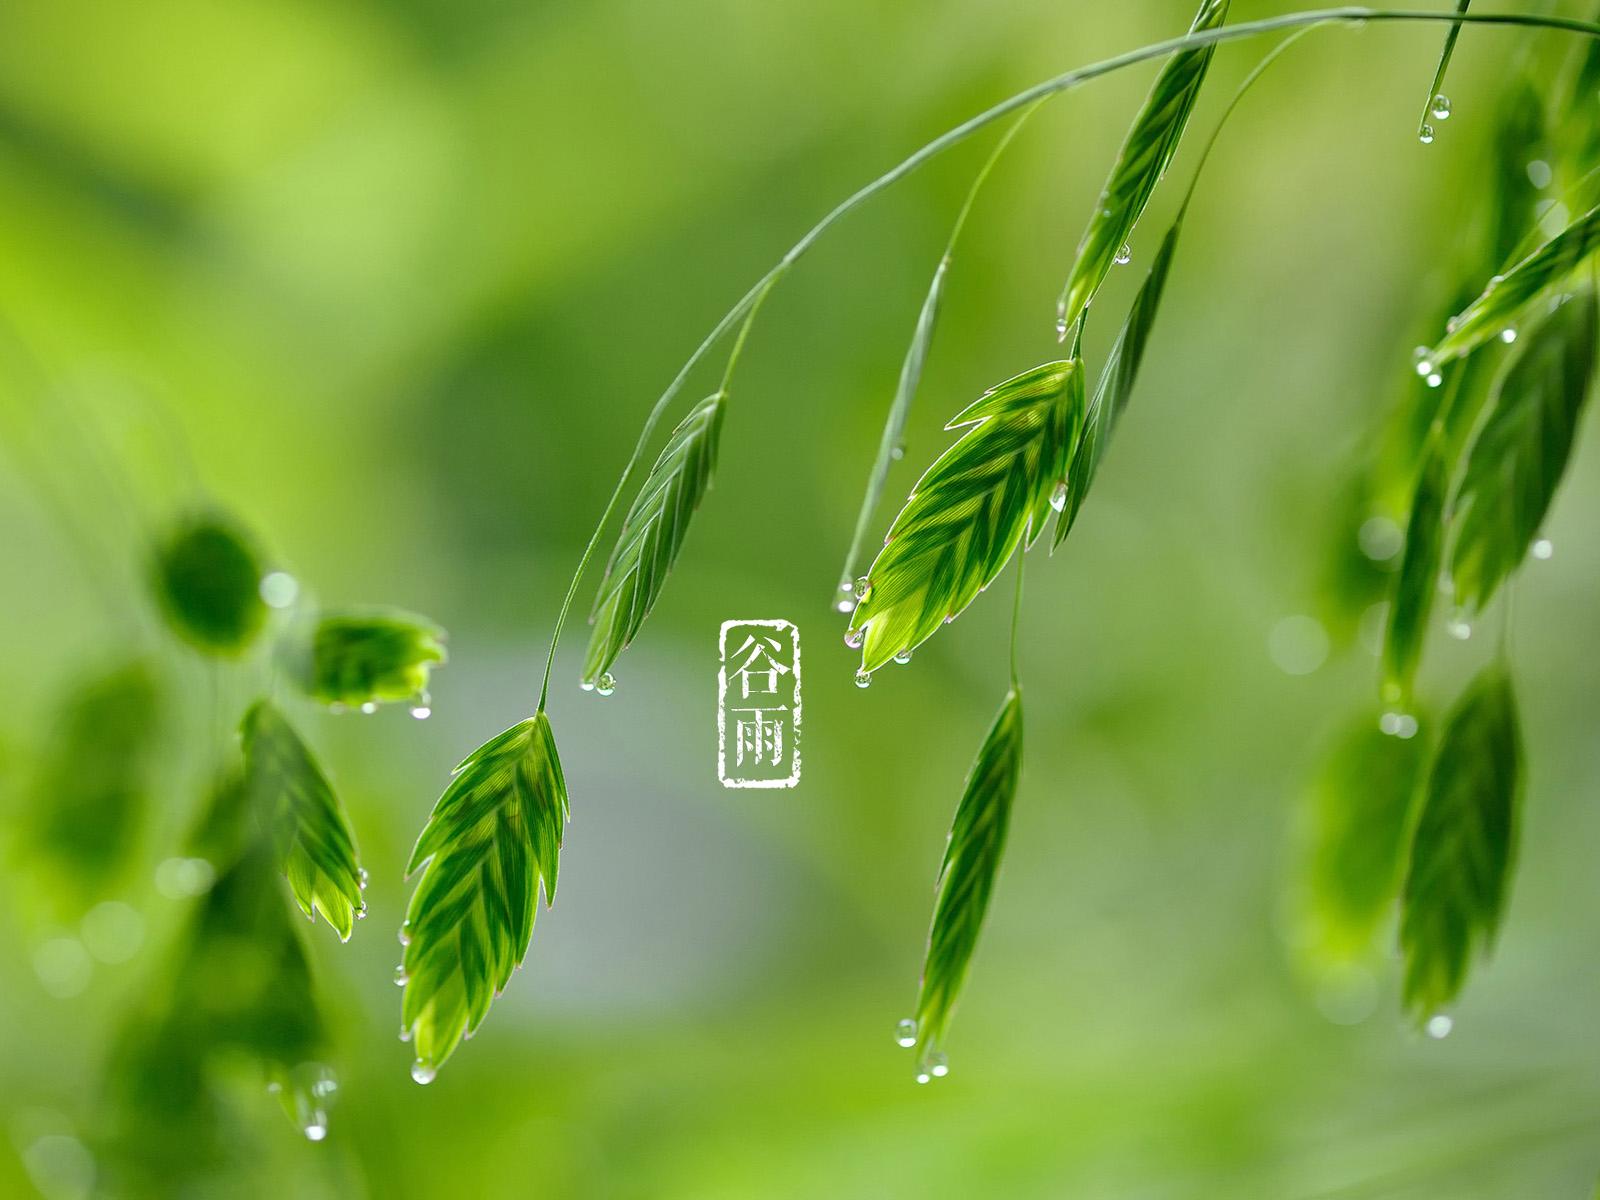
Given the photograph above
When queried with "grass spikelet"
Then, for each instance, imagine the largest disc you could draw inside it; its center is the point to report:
(207, 579)
(494, 836)
(980, 499)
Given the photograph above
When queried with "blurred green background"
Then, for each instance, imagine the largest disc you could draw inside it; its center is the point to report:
(396, 282)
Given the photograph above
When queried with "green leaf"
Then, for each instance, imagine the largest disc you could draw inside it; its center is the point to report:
(1462, 851)
(1521, 451)
(1115, 388)
(1417, 581)
(376, 657)
(208, 583)
(89, 799)
(1143, 160)
(312, 838)
(966, 876)
(1507, 299)
(1424, 129)
(652, 534)
(1362, 805)
(493, 837)
(979, 500)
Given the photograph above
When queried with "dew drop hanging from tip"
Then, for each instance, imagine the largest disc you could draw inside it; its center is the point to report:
(905, 1033)
(854, 637)
(605, 685)
(1441, 107)
(423, 1071)
(863, 678)
(1425, 135)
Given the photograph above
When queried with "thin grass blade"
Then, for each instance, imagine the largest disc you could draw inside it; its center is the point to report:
(1520, 453)
(1509, 297)
(1115, 388)
(1417, 581)
(1432, 109)
(1465, 844)
(966, 878)
(1143, 160)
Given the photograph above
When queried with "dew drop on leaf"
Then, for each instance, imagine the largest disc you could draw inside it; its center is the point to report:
(1425, 135)
(938, 1064)
(1439, 1026)
(863, 678)
(605, 685)
(1441, 107)
(905, 1033)
(1508, 335)
(862, 588)
(1124, 256)
(370, 707)
(400, 976)
(903, 657)
(1542, 549)
(1423, 363)
(1058, 497)
(1435, 379)
(423, 1071)
(854, 637)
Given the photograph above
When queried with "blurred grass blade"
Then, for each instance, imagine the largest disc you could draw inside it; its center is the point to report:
(966, 878)
(207, 578)
(1520, 453)
(364, 658)
(891, 443)
(292, 797)
(1416, 583)
(1431, 109)
(652, 534)
(493, 837)
(1361, 806)
(979, 500)
(89, 798)
(1142, 161)
(1508, 297)
(1115, 389)
(1465, 843)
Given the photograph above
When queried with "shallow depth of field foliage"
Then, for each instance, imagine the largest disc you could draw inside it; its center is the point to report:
(376, 296)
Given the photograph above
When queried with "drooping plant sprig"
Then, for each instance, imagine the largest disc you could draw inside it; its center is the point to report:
(1030, 445)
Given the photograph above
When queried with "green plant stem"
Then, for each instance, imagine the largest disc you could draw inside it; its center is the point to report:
(894, 427)
(1016, 615)
(1445, 56)
(1351, 14)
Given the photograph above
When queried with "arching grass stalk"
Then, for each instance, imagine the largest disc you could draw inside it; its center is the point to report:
(1349, 14)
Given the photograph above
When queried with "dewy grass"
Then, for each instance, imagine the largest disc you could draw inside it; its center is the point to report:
(1030, 445)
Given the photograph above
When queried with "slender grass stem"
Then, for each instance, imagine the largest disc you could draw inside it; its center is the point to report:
(1347, 15)
(1016, 616)
(905, 392)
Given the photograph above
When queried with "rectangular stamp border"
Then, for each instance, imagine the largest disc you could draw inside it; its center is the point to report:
(722, 717)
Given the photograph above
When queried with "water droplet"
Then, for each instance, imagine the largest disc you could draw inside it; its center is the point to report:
(1542, 549)
(405, 1035)
(1441, 107)
(938, 1064)
(905, 1033)
(362, 877)
(400, 976)
(1508, 335)
(862, 588)
(1439, 1026)
(605, 685)
(1435, 379)
(423, 1071)
(317, 1128)
(845, 606)
(1540, 174)
(278, 589)
(405, 934)
(1061, 327)
(897, 453)
(903, 657)
(1398, 724)
(587, 685)
(1380, 539)
(370, 707)
(1124, 256)
(863, 678)
(1058, 496)
(922, 1076)
(361, 913)
(854, 637)
(1425, 134)
(1423, 363)
(1460, 629)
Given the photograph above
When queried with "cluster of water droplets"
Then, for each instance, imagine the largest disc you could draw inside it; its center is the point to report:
(1439, 110)
(603, 686)
(1426, 367)
(1398, 724)
(933, 1064)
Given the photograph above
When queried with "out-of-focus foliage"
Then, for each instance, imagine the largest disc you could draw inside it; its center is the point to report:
(208, 580)
(88, 797)
(366, 658)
